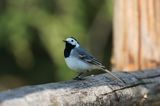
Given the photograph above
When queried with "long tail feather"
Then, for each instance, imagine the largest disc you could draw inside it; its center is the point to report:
(113, 75)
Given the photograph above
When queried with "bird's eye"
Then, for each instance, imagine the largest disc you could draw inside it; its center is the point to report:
(71, 40)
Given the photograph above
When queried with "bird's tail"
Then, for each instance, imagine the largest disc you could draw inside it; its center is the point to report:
(114, 76)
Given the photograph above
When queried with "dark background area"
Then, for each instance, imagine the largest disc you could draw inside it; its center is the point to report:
(31, 34)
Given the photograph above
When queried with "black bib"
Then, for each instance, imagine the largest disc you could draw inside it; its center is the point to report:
(68, 49)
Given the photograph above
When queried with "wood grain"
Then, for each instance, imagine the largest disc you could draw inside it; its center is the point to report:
(136, 34)
(142, 88)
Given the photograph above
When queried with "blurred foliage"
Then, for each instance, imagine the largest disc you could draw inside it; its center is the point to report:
(31, 34)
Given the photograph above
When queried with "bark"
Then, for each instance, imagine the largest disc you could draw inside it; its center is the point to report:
(136, 34)
(141, 88)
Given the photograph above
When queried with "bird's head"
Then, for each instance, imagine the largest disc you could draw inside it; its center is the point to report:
(72, 42)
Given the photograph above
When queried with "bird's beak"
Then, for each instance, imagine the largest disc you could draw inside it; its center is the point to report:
(64, 41)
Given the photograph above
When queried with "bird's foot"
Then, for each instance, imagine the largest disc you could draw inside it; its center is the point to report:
(78, 78)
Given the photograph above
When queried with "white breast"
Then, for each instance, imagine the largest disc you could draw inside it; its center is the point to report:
(77, 65)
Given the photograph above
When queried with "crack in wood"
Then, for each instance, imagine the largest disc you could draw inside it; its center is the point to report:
(115, 93)
(148, 77)
(126, 87)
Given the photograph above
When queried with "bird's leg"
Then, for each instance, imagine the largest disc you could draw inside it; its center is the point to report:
(79, 76)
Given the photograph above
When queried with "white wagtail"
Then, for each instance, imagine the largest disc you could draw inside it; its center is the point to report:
(80, 60)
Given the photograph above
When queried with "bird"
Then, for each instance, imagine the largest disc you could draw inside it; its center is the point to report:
(80, 60)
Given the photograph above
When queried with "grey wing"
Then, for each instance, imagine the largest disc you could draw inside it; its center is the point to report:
(87, 57)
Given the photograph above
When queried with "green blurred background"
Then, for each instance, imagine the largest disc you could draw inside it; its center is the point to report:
(31, 34)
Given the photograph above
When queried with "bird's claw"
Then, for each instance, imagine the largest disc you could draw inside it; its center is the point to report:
(78, 78)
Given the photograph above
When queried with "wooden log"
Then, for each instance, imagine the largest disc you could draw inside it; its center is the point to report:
(141, 88)
(136, 34)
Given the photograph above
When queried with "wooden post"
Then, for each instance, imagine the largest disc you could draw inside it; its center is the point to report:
(136, 34)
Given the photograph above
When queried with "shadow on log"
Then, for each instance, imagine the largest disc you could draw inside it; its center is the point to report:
(141, 88)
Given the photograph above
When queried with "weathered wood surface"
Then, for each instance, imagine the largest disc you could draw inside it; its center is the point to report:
(136, 34)
(141, 88)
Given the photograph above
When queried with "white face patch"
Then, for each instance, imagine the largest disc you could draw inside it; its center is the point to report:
(72, 41)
